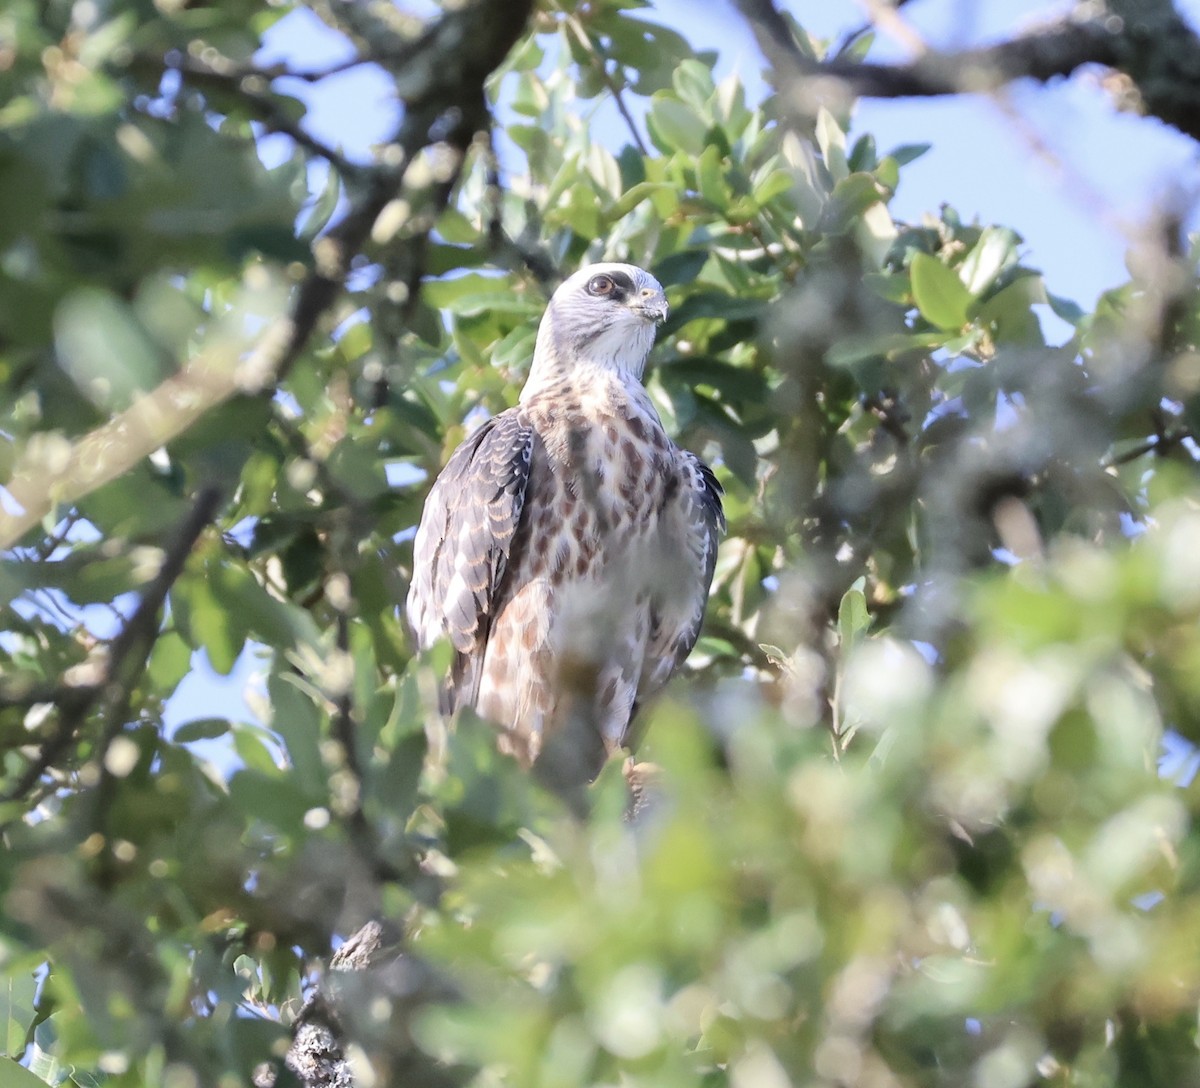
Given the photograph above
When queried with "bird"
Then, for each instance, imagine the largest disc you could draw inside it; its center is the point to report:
(567, 548)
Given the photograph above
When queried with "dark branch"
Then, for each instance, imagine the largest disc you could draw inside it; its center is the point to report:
(525, 250)
(250, 87)
(1056, 51)
(443, 103)
(1162, 59)
(1160, 444)
(127, 653)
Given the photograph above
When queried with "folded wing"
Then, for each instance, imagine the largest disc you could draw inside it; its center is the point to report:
(464, 543)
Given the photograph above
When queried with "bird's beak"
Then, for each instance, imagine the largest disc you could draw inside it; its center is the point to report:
(653, 307)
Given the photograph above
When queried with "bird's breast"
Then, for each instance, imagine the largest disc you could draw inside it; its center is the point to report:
(597, 493)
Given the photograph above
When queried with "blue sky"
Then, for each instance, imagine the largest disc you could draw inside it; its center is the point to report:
(1076, 179)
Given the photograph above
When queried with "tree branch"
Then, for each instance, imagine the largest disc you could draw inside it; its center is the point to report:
(1149, 42)
(126, 654)
(442, 86)
(595, 51)
(249, 87)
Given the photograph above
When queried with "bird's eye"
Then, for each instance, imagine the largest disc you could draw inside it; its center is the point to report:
(600, 285)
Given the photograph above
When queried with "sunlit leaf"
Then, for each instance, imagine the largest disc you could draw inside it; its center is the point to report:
(940, 295)
(17, 993)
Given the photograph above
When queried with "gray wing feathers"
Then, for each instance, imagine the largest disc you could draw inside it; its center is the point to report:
(706, 519)
(463, 544)
(678, 611)
(709, 492)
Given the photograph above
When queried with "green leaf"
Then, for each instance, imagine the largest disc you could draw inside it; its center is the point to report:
(444, 294)
(491, 302)
(17, 993)
(270, 798)
(40, 1058)
(1010, 312)
(863, 157)
(676, 127)
(604, 171)
(221, 633)
(853, 617)
(876, 233)
(201, 729)
(235, 591)
(940, 295)
(298, 720)
(736, 384)
(848, 202)
(852, 350)
(101, 345)
(710, 179)
(831, 139)
(1064, 308)
(632, 197)
(907, 153)
(257, 748)
(774, 184)
(17, 1076)
(681, 267)
(995, 251)
(889, 285)
(693, 83)
(323, 207)
(713, 304)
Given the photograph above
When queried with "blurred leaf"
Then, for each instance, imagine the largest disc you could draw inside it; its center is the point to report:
(995, 251)
(709, 304)
(675, 126)
(968, 555)
(298, 721)
(1011, 310)
(710, 180)
(201, 729)
(17, 1076)
(1069, 311)
(853, 618)
(103, 349)
(269, 798)
(831, 139)
(908, 153)
(41, 1061)
(851, 197)
(322, 208)
(939, 293)
(17, 994)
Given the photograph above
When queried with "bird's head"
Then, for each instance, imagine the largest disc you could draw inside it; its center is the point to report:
(604, 315)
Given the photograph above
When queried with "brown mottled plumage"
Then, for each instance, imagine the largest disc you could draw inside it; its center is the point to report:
(567, 548)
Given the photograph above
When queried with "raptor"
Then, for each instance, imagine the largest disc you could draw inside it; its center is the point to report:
(567, 548)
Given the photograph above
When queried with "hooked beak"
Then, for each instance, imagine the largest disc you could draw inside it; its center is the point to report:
(652, 306)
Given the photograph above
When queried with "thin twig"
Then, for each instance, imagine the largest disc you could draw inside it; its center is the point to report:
(601, 66)
(851, 36)
(1159, 444)
(505, 249)
(887, 18)
(346, 734)
(240, 82)
(126, 653)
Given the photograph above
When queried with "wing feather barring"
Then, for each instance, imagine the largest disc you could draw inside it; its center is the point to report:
(567, 548)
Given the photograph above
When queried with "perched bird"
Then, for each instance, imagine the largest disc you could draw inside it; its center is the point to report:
(567, 548)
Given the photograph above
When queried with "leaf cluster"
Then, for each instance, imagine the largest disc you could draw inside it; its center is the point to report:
(909, 827)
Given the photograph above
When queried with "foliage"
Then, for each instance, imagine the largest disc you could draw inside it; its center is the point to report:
(908, 827)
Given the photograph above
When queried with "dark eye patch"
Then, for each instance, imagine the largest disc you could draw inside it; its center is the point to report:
(614, 285)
